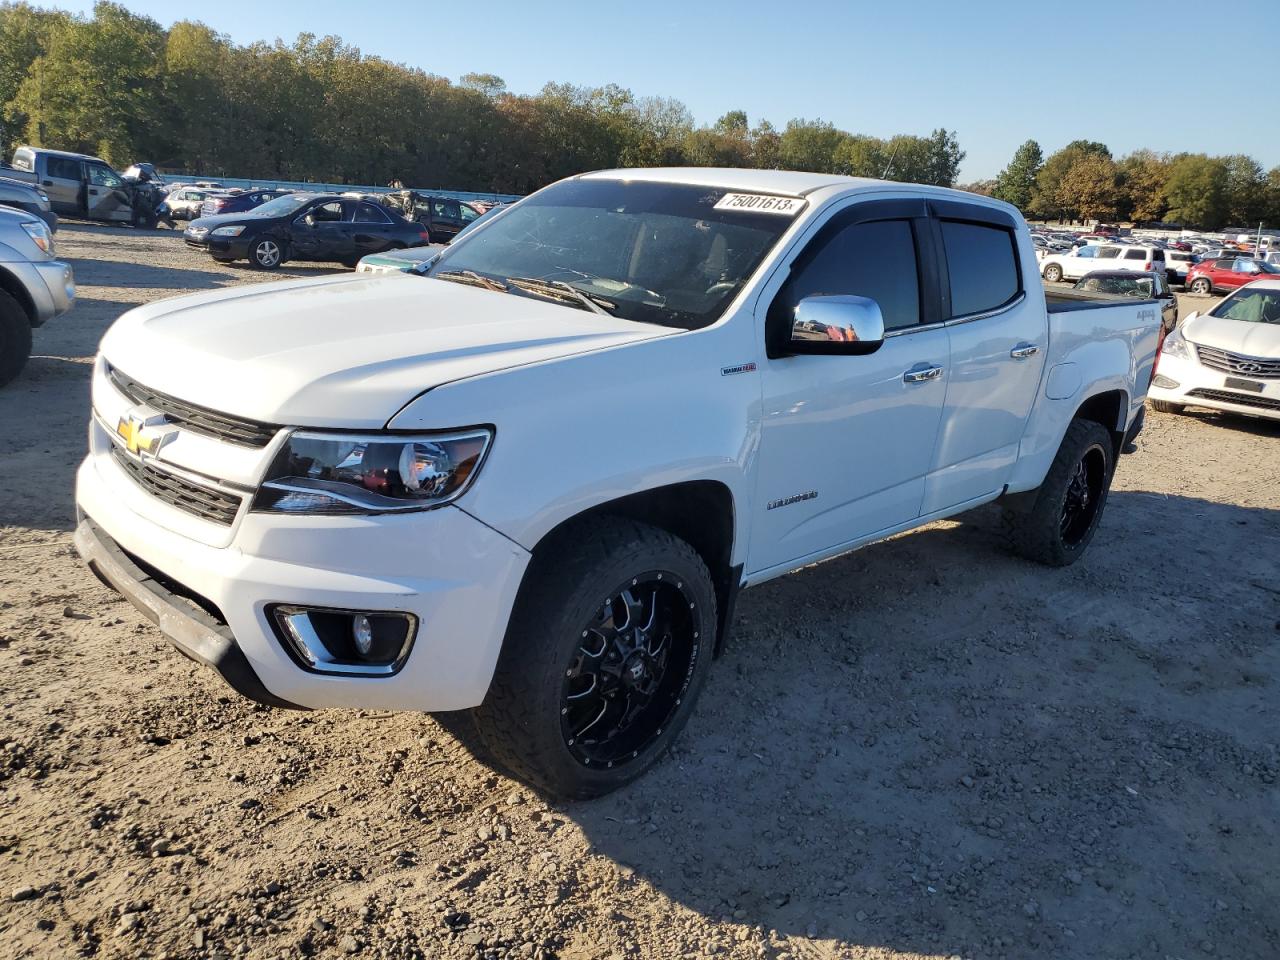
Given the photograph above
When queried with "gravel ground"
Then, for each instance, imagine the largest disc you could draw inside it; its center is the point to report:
(925, 749)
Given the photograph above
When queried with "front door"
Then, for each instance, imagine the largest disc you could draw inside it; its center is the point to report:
(106, 198)
(321, 234)
(846, 441)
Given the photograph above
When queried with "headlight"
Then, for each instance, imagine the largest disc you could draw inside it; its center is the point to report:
(42, 195)
(38, 232)
(228, 231)
(334, 473)
(1175, 345)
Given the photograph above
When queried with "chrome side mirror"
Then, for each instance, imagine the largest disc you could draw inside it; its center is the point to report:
(843, 324)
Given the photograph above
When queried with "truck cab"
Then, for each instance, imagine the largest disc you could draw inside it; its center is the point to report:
(77, 185)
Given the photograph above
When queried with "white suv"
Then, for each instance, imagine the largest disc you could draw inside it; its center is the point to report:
(1111, 256)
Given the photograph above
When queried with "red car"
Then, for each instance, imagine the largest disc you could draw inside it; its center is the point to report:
(1227, 274)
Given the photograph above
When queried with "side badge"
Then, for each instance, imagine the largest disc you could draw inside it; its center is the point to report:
(740, 368)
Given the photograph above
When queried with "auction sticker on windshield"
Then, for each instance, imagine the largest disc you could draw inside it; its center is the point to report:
(760, 203)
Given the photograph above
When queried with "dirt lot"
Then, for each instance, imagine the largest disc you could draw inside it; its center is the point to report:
(926, 749)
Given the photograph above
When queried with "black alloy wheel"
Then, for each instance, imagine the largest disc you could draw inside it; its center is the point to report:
(1083, 496)
(631, 670)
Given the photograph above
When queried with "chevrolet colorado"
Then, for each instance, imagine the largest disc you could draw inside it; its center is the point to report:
(525, 481)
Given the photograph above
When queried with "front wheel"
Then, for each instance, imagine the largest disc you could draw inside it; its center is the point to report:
(1053, 273)
(266, 254)
(1164, 406)
(15, 338)
(1201, 286)
(1060, 518)
(608, 647)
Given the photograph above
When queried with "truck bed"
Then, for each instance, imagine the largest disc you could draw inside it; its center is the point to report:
(1066, 300)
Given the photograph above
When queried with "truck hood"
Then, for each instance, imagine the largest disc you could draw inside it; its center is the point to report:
(344, 351)
(1238, 336)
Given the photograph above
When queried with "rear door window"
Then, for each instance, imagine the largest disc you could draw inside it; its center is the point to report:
(1135, 255)
(1108, 253)
(368, 213)
(982, 264)
(63, 168)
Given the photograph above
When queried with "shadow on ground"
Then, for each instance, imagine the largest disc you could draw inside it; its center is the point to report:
(948, 781)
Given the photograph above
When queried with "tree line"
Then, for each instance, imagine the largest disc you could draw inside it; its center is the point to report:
(1083, 181)
(123, 87)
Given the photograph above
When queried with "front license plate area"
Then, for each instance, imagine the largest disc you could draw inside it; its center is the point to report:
(1235, 383)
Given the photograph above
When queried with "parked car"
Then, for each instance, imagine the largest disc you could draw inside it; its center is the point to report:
(1178, 264)
(1111, 256)
(20, 195)
(186, 203)
(240, 202)
(304, 226)
(491, 508)
(1133, 285)
(86, 187)
(1227, 273)
(35, 287)
(412, 259)
(1226, 359)
(444, 217)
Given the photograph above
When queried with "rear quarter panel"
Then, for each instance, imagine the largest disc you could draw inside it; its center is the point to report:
(1091, 351)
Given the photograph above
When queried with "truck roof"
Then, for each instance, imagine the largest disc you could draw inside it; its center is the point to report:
(61, 153)
(782, 182)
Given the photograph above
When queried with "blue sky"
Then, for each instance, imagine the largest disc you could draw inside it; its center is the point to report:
(996, 71)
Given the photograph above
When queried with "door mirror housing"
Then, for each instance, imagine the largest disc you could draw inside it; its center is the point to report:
(845, 324)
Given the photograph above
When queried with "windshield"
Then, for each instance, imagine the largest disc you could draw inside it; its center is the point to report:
(1251, 306)
(280, 206)
(651, 252)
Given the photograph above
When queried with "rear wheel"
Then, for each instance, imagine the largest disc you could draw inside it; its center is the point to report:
(1053, 273)
(607, 650)
(15, 338)
(1201, 286)
(1060, 518)
(266, 254)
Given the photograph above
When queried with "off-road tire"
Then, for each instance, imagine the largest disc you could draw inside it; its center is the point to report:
(1053, 273)
(1033, 521)
(1164, 406)
(519, 722)
(15, 338)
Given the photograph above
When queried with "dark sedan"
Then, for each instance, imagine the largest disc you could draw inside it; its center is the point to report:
(238, 202)
(303, 226)
(1153, 285)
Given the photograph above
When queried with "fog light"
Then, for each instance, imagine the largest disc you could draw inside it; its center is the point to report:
(1164, 383)
(362, 633)
(372, 643)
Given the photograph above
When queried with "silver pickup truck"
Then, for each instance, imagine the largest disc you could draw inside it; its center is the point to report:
(34, 286)
(85, 187)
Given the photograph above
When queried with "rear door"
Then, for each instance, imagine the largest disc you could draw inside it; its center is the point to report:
(62, 179)
(446, 219)
(998, 340)
(370, 229)
(1133, 258)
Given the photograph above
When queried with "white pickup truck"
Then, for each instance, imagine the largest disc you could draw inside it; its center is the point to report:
(528, 480)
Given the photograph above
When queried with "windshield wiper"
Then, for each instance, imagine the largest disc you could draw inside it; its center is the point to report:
(564, 292)
(473, 279)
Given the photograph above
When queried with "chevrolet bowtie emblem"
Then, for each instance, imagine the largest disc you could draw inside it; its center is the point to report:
(143, 433)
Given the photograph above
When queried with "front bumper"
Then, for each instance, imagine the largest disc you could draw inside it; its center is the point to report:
(456, 575)
(51, 284)
(1201, 386)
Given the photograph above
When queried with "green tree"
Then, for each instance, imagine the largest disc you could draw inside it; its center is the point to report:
(1144, 176)
(1197, 191)
(809, 145)
(24, 36)
(1245, 191)
(1045, 204)
(1015, 182)
(1091, 188)
(861, 156)
(490, 84)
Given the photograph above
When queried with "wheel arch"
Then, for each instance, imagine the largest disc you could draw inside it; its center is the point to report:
(700, 512)
(1109, 408)
(18, 290)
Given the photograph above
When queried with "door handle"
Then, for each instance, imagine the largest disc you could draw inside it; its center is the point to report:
(46, 183)
(921, 374)
(1024, 350)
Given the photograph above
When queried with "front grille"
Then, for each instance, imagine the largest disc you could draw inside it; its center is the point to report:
(220, 426)
(200, 501)
(1242, 365)
(1241, 399)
